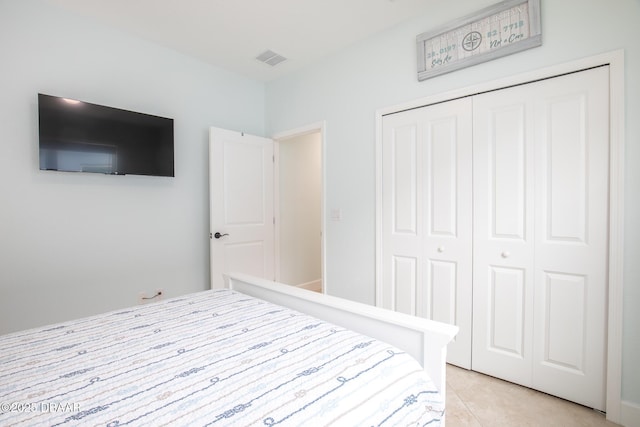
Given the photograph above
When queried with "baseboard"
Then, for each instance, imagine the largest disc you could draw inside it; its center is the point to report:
(629, 414)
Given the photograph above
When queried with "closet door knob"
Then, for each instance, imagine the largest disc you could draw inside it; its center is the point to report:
(505, 254)
(440, 249)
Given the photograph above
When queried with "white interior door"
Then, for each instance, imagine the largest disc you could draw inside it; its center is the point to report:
(241, 205)
(427, 210)
(541, 155)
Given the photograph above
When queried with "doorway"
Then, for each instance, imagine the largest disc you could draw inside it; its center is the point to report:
(298, 188)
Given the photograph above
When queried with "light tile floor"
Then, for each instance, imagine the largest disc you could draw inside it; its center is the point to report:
(474, 399)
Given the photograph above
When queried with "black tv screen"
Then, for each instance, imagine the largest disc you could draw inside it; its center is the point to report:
(77, 136)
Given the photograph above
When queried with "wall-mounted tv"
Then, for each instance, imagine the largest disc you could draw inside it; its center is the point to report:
(77, 136)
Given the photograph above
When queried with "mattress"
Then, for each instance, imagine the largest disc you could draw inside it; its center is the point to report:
(211, 358)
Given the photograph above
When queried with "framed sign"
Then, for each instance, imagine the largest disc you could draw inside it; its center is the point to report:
(502, 29)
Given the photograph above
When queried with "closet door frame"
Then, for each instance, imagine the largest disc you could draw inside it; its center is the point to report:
(615, 61)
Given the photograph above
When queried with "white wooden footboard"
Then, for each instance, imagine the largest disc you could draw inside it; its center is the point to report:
(424, 339)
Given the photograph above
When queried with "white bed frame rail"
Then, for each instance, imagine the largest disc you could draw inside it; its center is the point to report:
(424, 339)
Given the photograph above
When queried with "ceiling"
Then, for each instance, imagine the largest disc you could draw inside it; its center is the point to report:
(231, 33)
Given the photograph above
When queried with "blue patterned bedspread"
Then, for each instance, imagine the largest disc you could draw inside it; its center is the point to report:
(215, 358)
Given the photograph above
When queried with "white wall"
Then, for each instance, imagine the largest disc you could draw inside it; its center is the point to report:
(72, 244)
(300, 191)
(79, 244)
(347, 89)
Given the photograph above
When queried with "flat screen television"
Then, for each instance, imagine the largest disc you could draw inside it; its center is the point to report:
(77, 136)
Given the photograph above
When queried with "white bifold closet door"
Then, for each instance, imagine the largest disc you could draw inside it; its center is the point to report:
(495, 219)
(427, 235)
(541, 202)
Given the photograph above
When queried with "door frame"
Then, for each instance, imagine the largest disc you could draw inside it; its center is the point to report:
(283, 136)
(615, 61)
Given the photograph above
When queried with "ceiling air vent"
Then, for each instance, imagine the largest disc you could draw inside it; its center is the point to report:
(271, 58)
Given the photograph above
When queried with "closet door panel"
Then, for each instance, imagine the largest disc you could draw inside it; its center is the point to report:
(405, 272)
(507, 170)
(446, 290)
(564, 321)
(565, 164)
(506, 305)
(441, 143)
(402, 231)
(404, 180)
(427, 200)
(572, 203)
(540, 208)
(503, 235)
(441, 299)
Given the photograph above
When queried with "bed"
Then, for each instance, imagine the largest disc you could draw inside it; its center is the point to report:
(255, 353)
